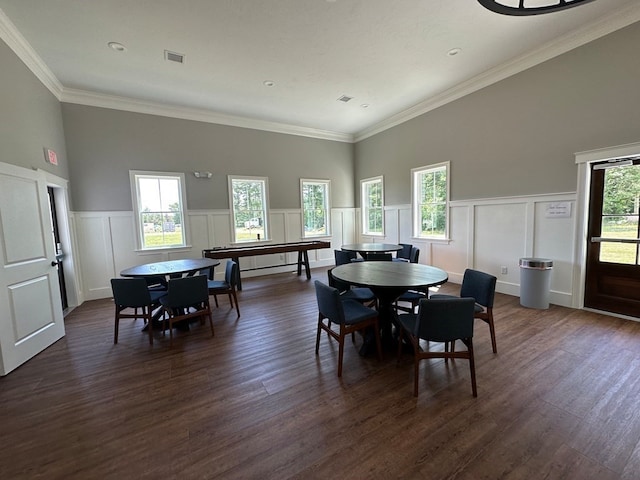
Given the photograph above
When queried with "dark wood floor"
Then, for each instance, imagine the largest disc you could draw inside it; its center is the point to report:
(560, 400)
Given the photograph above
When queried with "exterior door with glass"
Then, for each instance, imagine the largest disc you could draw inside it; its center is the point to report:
(613, 244)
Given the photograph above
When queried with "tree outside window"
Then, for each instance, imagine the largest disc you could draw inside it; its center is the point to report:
(249, 204)
(315, 207)
(430, 187)
(372, 202)
(158, 203)
(621, 214)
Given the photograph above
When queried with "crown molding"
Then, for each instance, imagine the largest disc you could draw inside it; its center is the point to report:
(16, 42)
(558, 46)
(93, 99)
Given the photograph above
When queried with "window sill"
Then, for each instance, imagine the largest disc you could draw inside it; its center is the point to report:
(174, 248)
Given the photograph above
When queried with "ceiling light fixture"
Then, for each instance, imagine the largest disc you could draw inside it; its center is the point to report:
(365, 105)
(522, 10)
(118, 47)
(454, 51)
(269, 83)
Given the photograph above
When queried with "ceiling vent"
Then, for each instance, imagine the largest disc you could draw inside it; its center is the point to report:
(173, 56)
(345, 98)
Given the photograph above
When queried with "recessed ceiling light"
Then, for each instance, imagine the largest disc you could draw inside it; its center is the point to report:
(118, 47)
(365, 105)
(454, 51)
(268, 83)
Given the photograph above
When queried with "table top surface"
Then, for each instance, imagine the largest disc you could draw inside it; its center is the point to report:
(397, 275)
(170, 267)
(372, 247)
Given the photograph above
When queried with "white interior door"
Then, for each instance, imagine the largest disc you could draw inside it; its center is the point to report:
(30, 308)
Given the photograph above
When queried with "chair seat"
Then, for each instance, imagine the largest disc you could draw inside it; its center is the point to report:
(156, 295)
(355, 312)
(476, 309)
(359, 294)
(217, 284)
(412, 296)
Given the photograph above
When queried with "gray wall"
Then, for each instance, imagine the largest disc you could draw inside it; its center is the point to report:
(103, 145)
(519, 136)
(31, 118)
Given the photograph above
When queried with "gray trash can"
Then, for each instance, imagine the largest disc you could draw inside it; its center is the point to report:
(535, 282)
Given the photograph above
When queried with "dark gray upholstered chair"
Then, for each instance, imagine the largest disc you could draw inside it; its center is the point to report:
(157, 283)
(442, 320)
(379, 257)
(228, 286)
(187, 298)
(412, 296)
(342, 257)
(482, 288)
(348, 315)
(347, 292)
(134, 293)
(404, 255)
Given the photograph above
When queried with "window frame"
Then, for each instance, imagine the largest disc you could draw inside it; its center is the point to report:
(265, 207)
(365, 206)
(415, 207)
(134, 175)
(327, 206)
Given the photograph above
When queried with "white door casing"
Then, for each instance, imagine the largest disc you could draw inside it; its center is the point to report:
(31, 316)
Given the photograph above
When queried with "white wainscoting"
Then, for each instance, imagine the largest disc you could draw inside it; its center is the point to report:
(485, 234)
(489, 234)
(106, 244)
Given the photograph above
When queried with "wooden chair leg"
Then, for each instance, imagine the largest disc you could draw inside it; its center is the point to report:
(117, 322)
(416, 371)
(318, 333)
(492, 330)
(472, 366)
(340, 350)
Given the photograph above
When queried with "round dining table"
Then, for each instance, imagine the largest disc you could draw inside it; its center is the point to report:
(389, 280)
(366, 248)
(170, 268)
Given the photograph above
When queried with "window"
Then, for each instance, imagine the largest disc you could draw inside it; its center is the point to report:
(249, 208)
(158, 202)
(315, 207)
(372, 201)
(430, 195)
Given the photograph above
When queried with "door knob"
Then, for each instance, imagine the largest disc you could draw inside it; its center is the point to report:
(54, 263)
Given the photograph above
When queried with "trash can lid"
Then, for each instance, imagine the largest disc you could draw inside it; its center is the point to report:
(539, 263)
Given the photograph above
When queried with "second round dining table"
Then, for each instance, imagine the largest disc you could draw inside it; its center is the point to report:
(389, 280)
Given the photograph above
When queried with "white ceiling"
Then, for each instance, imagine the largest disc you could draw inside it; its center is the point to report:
(388, 54)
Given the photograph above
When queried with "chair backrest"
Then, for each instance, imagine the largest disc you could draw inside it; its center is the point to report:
(479, 285)
(406, 251)
(156, 281)
(187, 291)
(445, 319)
(334, 282)
(207, 272)
(329, 304)
(231, 273)
(130, 292)
(379, 257)
(342, 256)
(415, 253)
